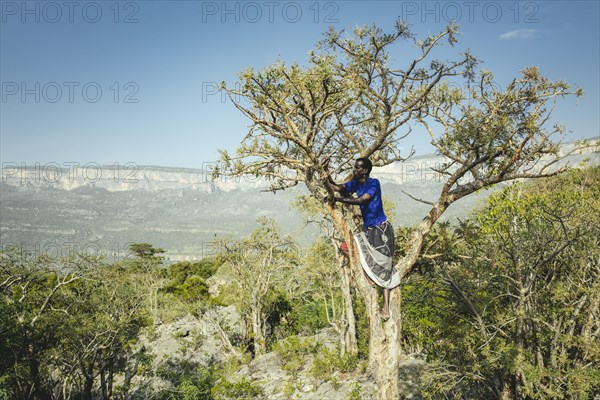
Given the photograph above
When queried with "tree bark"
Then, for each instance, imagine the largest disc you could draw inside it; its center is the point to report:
(350, 340)
(385, 348)
(88, 386)
(259, 338)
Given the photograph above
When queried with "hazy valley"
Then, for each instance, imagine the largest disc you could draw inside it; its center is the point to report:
(59, 209)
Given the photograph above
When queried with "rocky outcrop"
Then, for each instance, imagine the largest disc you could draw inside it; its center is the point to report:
(200, 342)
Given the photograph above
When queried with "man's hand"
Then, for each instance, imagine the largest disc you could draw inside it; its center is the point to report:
(329, 200)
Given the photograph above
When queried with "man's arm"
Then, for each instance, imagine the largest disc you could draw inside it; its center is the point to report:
(372, 191)
(362, 200)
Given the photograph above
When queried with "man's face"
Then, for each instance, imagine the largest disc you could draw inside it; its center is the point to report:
(360, 170)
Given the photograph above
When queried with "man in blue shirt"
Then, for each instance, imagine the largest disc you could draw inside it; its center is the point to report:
(376, 243)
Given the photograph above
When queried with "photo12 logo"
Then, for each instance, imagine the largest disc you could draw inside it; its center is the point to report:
(269, 11)
(70, 171)
(53, 12)
(57, 250)
(213, 90)
(69, 92)
(217, 171)
(469, 11)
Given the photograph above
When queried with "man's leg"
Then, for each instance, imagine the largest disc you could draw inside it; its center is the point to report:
(385, 312)
(371, 282)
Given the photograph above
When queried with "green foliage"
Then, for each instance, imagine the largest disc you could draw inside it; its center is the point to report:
(6, 392)
(116, 302)
(294, 351)
(258, 268)
(242, 389)
(427, 326)
(146, 251)
(302, 309)
(189, 391)
(306, 318)
(188, 380)
(512, 309)
(277, 309)
(192, 289)
(289, 388)
(328, 361)
(355, 392)
(198, 386)
(69, 320)
(179, 272)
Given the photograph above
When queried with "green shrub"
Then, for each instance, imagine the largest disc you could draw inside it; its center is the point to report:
(6, 392)
(189, 381)
(189, 391)
(187, 280)
(243, 389)
(355, 392)
(328, 361)
(293, 351)
(308, 318)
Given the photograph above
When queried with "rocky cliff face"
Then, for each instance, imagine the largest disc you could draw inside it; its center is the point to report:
(117, 178)
(130, 176)
(101, 210)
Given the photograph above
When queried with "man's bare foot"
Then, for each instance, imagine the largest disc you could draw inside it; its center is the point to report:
(385, 314)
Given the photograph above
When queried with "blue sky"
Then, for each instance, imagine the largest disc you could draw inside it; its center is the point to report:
(133, 81)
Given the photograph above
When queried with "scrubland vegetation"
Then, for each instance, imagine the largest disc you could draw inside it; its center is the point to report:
(502, 305)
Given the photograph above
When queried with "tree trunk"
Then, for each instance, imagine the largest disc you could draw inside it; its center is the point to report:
(347, 332)
(259, 338)
(103, 385)
(111, 377)
(88, 387)
(350, 341)
(384, 337)
(34, 370)
(88, 373)
(385, 347)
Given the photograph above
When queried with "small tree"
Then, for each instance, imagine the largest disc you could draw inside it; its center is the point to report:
(99, 341)
(257, 266)
(148, 261)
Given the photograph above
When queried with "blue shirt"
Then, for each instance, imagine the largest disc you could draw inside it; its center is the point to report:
(372, 212)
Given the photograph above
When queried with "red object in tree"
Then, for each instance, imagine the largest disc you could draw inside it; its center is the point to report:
(344, 247)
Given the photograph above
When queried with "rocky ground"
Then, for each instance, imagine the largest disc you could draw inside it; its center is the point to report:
(211, 339)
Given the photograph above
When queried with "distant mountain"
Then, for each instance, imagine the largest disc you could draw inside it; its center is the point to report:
(60, 209)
